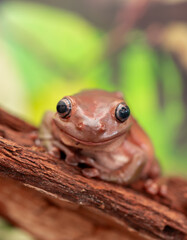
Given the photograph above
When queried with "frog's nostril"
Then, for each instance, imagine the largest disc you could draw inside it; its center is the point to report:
(102, 127)
(80, 125)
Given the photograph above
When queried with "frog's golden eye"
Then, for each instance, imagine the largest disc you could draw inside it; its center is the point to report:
(122, 112)
(64, 108)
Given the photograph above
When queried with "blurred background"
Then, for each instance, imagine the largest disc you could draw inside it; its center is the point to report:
(52, 48)
(49, 49)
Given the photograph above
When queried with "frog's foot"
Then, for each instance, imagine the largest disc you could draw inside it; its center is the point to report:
(33, 135)
(91, 172)
(71, 160)
(49, 146)
(89, 162)
(156, 187)
(54, 151)
(68, 155)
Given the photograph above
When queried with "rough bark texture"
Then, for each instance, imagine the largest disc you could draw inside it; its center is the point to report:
(57, 202)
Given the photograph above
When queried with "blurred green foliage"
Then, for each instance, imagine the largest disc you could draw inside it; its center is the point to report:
(59, 53)
(7, 232)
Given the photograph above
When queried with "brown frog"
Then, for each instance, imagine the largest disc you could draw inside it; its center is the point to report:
(95, 127)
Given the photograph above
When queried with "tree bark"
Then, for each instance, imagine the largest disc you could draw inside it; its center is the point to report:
(52, 200)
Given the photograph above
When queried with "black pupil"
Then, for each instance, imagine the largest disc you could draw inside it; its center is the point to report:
(62, 107)
(124, 112)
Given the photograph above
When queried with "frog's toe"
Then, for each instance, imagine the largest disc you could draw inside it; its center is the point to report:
(38, 142)
(71, 160)
(55, 152)
(90, 172)
(154, 187)
(163, 190)
(33, 135)
(151, 187)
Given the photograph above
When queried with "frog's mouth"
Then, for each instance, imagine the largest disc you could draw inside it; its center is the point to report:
(89, 143)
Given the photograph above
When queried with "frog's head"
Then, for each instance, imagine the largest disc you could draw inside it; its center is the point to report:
(92, 117)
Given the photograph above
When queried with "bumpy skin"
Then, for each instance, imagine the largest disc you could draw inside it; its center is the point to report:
(114, 151)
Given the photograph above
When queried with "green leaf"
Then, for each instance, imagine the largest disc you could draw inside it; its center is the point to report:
(49, 43)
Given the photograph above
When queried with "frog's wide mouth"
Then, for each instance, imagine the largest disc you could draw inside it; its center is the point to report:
(90, 143)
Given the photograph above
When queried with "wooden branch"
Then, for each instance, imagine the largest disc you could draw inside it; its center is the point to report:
(14, 122)
(48, 218)
(103, 205)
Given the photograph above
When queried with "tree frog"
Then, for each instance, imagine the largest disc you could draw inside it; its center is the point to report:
(96, 129)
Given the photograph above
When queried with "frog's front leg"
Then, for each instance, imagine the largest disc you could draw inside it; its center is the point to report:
(50, 143)
(93, 169)
(134, 162)
(128, 173)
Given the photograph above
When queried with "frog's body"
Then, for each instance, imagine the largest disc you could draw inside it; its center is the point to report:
(95, 127)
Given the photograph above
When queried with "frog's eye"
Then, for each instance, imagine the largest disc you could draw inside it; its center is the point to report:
(122, 112)
(64, 107)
